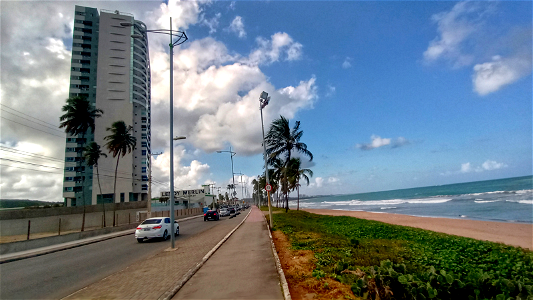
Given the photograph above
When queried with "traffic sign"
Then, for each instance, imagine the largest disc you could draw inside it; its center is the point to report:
(268, 187)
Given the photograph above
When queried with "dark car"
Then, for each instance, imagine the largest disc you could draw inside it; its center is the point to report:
(212, 215)
(231, 210)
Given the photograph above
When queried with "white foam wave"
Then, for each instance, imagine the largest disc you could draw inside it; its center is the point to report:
(485, 201)
(389, 202)
(390, 207)
(521, 201)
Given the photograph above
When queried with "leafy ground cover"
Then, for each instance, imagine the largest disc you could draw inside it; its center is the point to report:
(382, 261)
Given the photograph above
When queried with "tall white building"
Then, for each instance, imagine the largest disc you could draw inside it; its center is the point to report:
(112, 70)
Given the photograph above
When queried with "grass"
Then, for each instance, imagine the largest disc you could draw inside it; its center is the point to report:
(396, 262)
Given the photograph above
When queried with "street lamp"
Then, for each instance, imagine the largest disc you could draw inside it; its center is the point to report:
(232, 177)
(181, 38)
(242, 184)
(263, 101)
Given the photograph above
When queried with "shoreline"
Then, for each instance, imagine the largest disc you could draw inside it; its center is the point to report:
(514, 234)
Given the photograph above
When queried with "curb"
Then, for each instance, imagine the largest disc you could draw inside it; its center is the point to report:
(284, 284)
(172, 292)
(71, 246)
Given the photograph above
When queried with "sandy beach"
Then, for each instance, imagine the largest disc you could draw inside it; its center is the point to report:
(514, 234)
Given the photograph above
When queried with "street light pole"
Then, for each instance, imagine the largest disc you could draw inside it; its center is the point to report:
(181, 38)
(232, 176)
(263, 101)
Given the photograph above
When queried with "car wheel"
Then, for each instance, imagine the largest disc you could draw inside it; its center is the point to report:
(165, 235)
(177, 231)
(140, 240)
(205, 219)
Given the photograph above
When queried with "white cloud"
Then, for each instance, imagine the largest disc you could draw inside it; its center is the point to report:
(376, 142)
(211, 23)
(319, 181)
(488, 165)
(346, 64)
(330, 90)
(237, 26)
(280, 46)
(491, 76)
(466, 168)
(492, 165)
(333, 179)
(454, 28)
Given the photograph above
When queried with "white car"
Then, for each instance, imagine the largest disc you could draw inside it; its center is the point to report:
(156, 228)
(224, 212)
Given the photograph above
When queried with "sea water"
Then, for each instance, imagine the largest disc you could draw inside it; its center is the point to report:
(504, 200)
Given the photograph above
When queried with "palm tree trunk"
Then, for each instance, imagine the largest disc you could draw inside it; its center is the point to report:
(298, 191)
(100, 187)
(115, 191)
(83, 190)
(287, 182)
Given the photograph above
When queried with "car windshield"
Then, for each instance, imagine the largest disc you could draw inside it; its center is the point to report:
(151, 221)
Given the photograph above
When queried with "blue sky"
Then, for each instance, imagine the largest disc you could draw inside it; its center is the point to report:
(389, 94)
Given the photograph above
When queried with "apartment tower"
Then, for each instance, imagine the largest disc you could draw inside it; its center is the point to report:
(112, 70)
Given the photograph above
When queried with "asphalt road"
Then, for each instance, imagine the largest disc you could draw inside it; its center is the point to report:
(57, 275)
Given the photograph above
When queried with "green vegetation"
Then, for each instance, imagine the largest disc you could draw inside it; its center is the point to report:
(383, 261)
(4, 203)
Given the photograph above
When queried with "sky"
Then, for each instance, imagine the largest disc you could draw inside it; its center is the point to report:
(390, 94)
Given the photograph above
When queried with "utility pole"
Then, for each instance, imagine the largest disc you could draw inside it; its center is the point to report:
(149, 204)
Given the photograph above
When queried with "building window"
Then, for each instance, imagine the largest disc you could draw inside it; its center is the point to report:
(144, 187)
(144, 152)
(143, 169)
(71, 169)
(71, 149)
(69, 189)
(121, 197)
(70, 159)
(69, 178)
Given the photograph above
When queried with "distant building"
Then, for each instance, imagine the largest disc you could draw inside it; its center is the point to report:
(112, 70)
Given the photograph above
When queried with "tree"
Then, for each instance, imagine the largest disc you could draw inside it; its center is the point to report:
(78, 119)
(119, 142)
(281, 141)
(295, 174)
(92, 154)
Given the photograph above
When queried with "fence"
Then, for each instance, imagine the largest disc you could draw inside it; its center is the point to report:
(31, 224)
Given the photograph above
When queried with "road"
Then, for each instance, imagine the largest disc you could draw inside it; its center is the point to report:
(57, 275)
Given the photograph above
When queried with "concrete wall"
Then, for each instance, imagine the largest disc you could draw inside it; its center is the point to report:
(15, 222)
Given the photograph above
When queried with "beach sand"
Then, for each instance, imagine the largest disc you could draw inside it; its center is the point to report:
(514, 234)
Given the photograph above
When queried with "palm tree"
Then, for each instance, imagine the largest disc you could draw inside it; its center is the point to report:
(281, 141)
(119, 142)
(92, 155)
(295, 174)
(78, 120)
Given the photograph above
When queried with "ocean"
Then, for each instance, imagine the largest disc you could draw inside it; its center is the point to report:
(503, 200)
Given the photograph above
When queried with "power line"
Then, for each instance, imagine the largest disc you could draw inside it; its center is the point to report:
(20, 152)
(54, 125)
(30, 169)
(22, 162)
(47, 126)
(63, 137)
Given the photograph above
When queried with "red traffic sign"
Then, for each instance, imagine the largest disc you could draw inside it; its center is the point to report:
(268, 187)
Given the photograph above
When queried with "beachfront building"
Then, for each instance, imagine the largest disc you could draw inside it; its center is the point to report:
(190, 198)
(112, 70)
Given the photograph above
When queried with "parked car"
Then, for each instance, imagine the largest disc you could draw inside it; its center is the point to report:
(212, 215)
(231, 210)
(156, 228)
(224, 212)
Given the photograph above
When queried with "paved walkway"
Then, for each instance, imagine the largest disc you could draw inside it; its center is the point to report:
(243, 268)
(152, 278)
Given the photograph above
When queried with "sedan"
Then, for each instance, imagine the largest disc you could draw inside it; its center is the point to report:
(212, 215)
(224, 212)
(156, 228)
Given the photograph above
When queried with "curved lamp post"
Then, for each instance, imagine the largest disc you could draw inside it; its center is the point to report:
(263, 101)
(180, 37)
(232, 177)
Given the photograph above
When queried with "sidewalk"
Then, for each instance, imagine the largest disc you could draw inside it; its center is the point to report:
(247, 250)
(243, 268)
